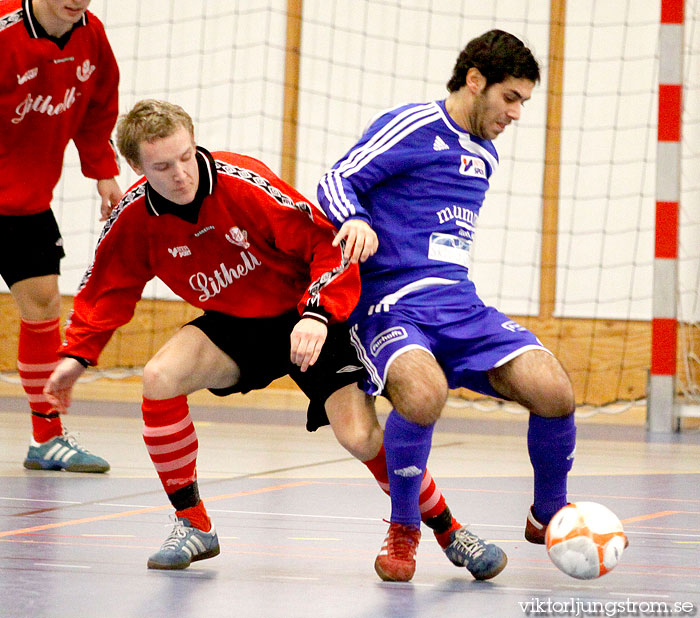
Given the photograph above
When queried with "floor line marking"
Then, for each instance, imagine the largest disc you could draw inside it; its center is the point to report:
(580, 496)
(66, 566)
(85, 520)
(639, 594)
(111, 536)
(311, 579)
(631, 520)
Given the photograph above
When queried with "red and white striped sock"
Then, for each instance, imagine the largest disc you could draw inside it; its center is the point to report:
(36, 359)
(431, 501)
(171, 441)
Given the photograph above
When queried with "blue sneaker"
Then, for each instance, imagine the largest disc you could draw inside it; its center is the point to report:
(483, 560)
(184, 546)
(63, 453)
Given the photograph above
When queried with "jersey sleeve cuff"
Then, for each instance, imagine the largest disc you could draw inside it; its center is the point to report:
(317, 313)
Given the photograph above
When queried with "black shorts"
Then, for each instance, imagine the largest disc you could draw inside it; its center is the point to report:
(30, 246)
(261, 348)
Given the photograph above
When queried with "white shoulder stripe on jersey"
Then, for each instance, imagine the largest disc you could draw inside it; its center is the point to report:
(389, 127)
(380, 113)
(389, 144)
(381, 143)
(396, 130)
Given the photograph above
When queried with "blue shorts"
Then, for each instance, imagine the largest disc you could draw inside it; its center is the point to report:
(466, 341)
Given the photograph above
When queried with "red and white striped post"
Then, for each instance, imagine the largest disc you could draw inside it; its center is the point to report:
(661, 413)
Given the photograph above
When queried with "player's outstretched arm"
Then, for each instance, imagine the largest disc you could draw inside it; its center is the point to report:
(307, 339)
(59, 387)
(109, 191)
(361, 241)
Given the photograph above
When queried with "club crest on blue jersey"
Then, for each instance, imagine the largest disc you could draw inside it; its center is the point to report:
(472, 166)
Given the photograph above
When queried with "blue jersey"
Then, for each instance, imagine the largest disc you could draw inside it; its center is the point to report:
(419, 180)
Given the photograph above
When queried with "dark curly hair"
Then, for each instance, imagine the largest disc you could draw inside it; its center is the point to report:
(497, 55)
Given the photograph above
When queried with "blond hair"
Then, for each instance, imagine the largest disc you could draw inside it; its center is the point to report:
(147, 121)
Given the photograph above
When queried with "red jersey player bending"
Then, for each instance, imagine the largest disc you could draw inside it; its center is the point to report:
(228, 236)
(58, 81)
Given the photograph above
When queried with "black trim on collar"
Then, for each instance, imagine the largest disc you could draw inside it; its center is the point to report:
(157, 205)
(37, 31)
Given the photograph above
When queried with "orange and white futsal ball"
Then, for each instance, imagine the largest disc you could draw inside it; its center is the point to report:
(585, 540)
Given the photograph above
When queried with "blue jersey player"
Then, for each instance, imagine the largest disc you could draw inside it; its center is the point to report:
(406, 199)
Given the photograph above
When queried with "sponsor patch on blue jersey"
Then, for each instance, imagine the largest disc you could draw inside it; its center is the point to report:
(449, 248)
(386, 337)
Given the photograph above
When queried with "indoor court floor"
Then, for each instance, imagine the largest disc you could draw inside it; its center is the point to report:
(300, 523)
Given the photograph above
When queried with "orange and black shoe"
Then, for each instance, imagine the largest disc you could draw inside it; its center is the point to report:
(535, 531)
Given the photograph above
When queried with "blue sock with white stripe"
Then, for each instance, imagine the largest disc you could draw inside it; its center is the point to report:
(407, 447)
(551, 443)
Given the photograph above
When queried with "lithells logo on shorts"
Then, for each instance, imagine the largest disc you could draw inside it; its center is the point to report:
(386, 337)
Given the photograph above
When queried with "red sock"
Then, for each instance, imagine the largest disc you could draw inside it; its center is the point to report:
(197, 515)
(431, 501)
(171, 441)
(377, 466)
(443, 538)
(36, 359)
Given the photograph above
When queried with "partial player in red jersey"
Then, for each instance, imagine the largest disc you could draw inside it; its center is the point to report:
(228, 236)
(58, 82)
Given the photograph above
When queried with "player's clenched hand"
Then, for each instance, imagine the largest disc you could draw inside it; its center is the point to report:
(307, 339)
(59, 386)
(360, 240)
(110, 193)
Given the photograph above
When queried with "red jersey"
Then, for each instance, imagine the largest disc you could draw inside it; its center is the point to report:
(51, 91)
(249, 245)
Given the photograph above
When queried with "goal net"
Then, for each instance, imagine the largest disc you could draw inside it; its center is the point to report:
(224, 62)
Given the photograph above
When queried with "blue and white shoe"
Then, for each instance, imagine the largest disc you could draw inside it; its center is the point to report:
(63, 453)
(184, 546)
(482, 559)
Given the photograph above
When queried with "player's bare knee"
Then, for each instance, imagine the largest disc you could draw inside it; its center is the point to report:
(556, 401)
(151, 377)
(361, 441)
(422, 406)
(42, 305)
(49, 304)
(158, 383)
(417, 387)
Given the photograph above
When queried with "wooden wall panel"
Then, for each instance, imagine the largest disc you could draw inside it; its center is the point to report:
(608, 360)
